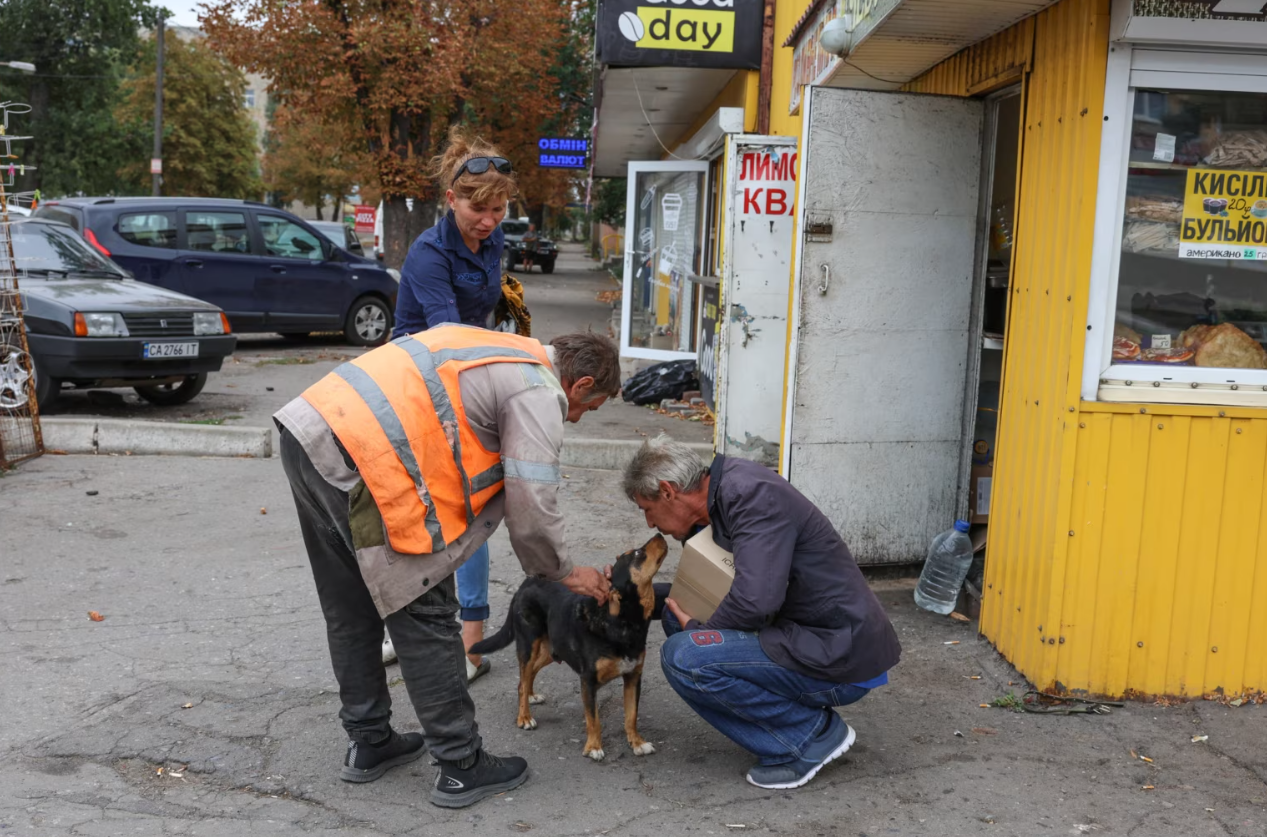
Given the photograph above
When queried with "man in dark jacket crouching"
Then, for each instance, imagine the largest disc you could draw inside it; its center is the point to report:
(799, 633)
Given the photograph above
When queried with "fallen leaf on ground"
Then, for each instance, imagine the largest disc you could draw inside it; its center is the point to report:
(95, 616)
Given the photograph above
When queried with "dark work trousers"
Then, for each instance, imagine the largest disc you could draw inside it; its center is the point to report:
(426, 633)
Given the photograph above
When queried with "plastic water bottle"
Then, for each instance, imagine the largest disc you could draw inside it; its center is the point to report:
(949, 559)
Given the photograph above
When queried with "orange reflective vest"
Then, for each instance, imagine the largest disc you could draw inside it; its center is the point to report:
(398, 412)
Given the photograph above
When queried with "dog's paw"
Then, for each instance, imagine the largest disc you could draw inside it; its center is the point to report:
(530, 723)
(535, 699)
(646, 748)
(596, 754)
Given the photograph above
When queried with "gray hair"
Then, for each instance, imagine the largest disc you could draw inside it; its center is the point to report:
(590, 355)
(663, 460)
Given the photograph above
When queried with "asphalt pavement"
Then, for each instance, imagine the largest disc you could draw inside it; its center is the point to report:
(202, 702)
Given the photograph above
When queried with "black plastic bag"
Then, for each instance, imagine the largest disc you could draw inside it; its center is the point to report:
(663, 380)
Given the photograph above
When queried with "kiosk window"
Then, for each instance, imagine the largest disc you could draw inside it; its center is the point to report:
(1192, 273)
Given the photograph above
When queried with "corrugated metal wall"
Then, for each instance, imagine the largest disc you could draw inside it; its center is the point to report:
(1051, 267)
(982, 66)
(1164, 592)
(1125, 540)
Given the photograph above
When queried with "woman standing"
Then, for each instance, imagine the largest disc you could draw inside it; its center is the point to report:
(453, 275)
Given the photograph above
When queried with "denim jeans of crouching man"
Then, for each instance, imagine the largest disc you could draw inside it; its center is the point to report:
(769, 710)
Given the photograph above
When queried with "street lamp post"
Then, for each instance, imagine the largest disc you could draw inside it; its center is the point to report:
(156, 164)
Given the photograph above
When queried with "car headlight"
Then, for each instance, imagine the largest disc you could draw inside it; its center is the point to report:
(394, 273)
(208, 322)
(100, 325)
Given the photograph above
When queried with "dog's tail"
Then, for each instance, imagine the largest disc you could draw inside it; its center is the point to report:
(497, 641)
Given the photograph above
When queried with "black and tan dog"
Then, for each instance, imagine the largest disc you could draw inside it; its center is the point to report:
(549, 623)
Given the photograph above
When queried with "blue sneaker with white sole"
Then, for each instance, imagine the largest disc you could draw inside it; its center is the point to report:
(831, 744)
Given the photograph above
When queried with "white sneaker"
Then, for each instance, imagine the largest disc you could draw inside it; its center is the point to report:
(474, 672)
(389, 651)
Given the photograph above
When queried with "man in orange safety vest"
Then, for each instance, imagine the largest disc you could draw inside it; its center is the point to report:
(402, 463)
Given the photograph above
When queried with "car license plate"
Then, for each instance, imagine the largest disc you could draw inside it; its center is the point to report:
(164, 351)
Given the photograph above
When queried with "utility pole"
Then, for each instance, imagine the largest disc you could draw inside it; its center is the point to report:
(156, 164)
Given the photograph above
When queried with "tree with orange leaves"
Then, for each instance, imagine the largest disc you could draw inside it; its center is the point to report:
(399, 73)
(306, 159)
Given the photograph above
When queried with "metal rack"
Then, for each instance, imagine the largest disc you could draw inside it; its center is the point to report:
(20, 434)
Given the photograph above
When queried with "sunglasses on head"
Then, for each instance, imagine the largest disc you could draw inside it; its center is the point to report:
(479, 165)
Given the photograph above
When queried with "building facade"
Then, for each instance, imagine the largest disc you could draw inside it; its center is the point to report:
(1023, 251)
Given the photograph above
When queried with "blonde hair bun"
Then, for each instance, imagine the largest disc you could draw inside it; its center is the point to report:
(477, 188)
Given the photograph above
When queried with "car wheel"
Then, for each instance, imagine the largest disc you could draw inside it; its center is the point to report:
(172, 395)
(47, 389)
(547, 267)
(369, 322)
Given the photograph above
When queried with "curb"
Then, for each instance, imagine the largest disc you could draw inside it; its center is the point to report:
(120, 436)
(611, 454)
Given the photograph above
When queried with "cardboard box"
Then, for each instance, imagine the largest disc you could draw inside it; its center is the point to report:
(979, 488)
(704, 575)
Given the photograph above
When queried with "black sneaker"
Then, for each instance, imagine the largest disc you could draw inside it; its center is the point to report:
(365, 763)
(458, 787)
(829, 745)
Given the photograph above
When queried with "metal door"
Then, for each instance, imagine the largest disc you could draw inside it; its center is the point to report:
(888, 215)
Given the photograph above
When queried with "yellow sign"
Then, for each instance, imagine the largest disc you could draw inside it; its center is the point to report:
(698, 30)
(1224, 215)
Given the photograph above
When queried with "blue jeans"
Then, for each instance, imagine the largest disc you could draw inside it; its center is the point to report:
(473, 586)
(769, 710)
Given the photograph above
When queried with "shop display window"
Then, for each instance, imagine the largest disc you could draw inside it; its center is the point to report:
(1185, 297)
(664, 246)
(1192, 281)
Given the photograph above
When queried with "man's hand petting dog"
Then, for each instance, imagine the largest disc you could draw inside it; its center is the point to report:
(587, 581)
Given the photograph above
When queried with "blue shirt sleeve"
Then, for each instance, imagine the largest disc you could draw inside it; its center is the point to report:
(426, 295)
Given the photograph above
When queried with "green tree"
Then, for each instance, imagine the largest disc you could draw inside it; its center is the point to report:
(609, 199)
(209, 141)
(81, 49)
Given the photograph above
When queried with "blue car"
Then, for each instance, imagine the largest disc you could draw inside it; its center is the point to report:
(267, 269)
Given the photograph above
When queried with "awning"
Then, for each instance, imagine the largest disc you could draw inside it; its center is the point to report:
(637, 104)
(895, 41)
